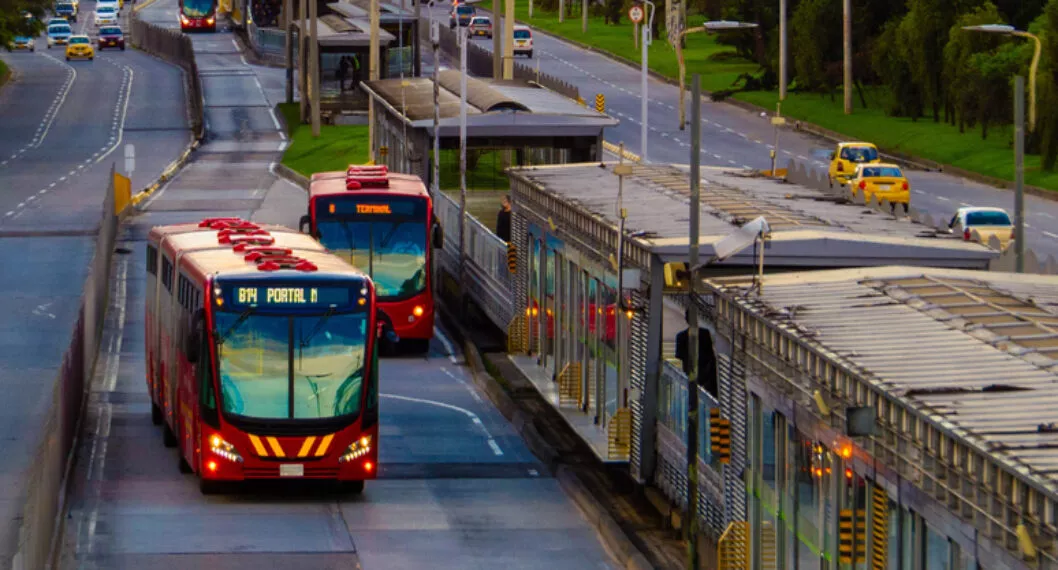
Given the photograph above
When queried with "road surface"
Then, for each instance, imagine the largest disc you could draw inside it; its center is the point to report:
(63, 125)
(735, 137)
(458, 489)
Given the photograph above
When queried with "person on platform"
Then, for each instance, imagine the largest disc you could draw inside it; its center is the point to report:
(503, 220)
(706, 358)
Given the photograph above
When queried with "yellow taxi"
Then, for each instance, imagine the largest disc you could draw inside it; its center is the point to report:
(80, 47)
(846, 156)
(886, 181)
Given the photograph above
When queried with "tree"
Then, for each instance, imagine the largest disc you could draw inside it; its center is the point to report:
(890, 63)
(963, 79)
(994, 71)
(1046, 129)
(13, 20)
(816, 27)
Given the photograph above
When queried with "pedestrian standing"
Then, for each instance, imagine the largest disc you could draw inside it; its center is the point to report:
(343, 69)
(503, 220)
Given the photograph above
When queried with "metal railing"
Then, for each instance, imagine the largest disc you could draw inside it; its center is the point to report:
(672, 409)
(269, 40)
(32, 532)
(489, 282)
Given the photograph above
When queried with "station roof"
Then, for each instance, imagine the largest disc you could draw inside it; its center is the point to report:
(389, 13)
(336, 30)
(808, 228)
(494, 108)
(975, 352)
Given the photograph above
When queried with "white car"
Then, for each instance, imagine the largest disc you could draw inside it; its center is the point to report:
(523, 41)
(108, 4)
(106, 16)
(59, 34)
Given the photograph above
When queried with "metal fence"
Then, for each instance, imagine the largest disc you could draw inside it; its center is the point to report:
(43, 482)
(176, 48)
(488, 281)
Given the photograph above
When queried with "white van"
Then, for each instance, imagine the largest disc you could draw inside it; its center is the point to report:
(523, 41)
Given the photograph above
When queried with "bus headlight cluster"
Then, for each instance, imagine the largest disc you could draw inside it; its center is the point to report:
(358, 449)
(224, 449)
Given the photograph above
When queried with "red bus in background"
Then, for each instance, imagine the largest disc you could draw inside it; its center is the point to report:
(261, 354)
(198, 15)
(383, 223)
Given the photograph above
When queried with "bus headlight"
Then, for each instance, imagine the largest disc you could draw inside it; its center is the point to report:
(221, 448)
(358, 449)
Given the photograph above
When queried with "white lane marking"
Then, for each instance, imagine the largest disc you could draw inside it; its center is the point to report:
(1050, 235)
(943, 199)
(124, 113)
(1045, 215)
(11, 213)
(965, 204)
(61, 98)
(473, 393)
(447, 344)
(473, 417)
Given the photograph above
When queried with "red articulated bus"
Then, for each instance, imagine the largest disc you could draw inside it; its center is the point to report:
(261, 354)
(383, 223)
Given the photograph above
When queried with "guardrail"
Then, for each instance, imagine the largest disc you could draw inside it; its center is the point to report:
(32, 532)
(176, 48)
(488, 282)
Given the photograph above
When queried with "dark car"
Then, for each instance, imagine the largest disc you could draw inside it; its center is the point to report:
(111, 36)
(66, 10)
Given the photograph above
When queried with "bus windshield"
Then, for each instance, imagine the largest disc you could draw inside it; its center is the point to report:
(197, 8)
(389, 245)
(291, 367)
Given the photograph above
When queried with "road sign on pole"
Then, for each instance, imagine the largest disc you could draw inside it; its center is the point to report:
(130, 158)
(635, 13)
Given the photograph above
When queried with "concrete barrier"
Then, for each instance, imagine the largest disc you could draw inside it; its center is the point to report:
(33, 524)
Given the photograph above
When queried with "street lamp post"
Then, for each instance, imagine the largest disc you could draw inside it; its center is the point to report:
(464, 38)
(708, 27)
(1019, 132)
(645, 41)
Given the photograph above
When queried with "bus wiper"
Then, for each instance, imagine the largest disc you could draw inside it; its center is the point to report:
(238, 322)
(349, 238)
(319, 325)
(316, 390)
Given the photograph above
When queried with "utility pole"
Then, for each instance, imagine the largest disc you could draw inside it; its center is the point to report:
(584, 17)
(372, 66)
(508, 40)
(1019, 173)
(644, 44)
(435, 38)
(314, 66)
(692, 328)
(847, 42)
(462, 153)
(303, 76)
(782, 50)
(562, 11)
(417, 50)
(288, 15)
(497, 40)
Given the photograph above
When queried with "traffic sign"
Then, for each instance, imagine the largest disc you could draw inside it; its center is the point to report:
(635, 13)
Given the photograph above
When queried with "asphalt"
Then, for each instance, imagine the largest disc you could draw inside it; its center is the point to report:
(63, 124)
(457, 489)
(734, 137)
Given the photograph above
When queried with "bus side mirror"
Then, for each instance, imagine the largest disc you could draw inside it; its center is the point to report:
(304, 223)
(193, 340)
(438, 237)
(385, 327)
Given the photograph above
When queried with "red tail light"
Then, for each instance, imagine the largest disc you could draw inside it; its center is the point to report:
(905, 186)
(966, 235)
(1012, 234)
(863, 185)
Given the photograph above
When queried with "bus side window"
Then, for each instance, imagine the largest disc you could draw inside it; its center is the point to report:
(204, 370)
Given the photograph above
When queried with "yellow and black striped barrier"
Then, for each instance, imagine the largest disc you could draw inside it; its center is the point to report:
(512, 258)
(600, 102)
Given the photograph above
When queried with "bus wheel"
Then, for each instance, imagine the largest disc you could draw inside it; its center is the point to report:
(156, 414)
(168, 437)
(351, 487)
(185, 467)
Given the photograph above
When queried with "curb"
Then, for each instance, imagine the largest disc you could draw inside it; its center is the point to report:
(812, 129)
(166, 175)
(136, 9)
(614, 540)
(290, 175)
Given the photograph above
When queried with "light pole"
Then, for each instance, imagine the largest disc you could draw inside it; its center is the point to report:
(1011, 31)
(435, 38)
(464, 37)
(645, 42)
(692, 329)
(1019, 133)
(708, 27)
(782, 50)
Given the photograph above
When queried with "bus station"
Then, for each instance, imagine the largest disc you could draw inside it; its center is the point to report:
(929, 430)
(513, 115)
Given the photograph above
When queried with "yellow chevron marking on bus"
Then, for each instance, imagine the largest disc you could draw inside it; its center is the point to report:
(276, 448)
(257, 446)
(307, 446)
(324, 445)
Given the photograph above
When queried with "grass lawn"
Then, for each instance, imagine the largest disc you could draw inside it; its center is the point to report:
(719, 68)
(337, 147)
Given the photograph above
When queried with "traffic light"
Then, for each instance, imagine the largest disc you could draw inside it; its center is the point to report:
(720, 435)
(852, 534)
(512, 258)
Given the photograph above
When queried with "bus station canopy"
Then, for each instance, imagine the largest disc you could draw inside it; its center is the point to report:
(341, 32)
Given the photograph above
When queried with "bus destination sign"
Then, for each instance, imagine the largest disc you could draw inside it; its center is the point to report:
(373, 209)
(392, 208)
(290, 296)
